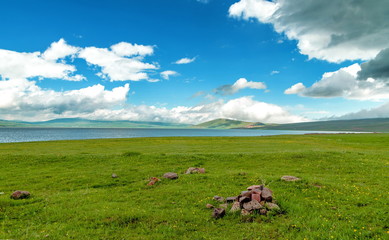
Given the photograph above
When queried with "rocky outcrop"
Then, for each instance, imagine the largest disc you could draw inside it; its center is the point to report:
(20, 195)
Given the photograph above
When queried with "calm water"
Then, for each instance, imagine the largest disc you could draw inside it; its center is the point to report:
(46, 134)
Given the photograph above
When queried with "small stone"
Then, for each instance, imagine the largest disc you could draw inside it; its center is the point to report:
(218, 198)
(258, 187)
(272, 206)
(170, 175)
(224, 205)
(267, 194)
(209, 206)
(20, 195)
(252, 205)
(153, 180)
(290, 178)
(235, 207)
(244, 212)
(114, 175)
(256, 196)
(218, 213)
(195, 170)
(263, 211)
(243, 192)
(244, 200)
(231, 199)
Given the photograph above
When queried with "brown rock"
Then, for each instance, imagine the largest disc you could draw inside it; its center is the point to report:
(244, 199)
(170, 175)
(114, 175)
(243, 192)
(244, 212)
(218, 198)
(153, 180)
(231, 199)
(258, 187)
(209, 205)
(235, 207)
(272, 206)
(195, 170)
(20, 195)
(224, 205)
(252, 205)
(263, 211)
(267, 194)
(255, 195)
(290, 178)
(218, 213)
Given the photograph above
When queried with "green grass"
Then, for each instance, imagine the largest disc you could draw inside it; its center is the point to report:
(343, 193)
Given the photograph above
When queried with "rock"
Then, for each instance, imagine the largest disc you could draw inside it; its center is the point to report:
(256, 195)
(224, 205)
(153, 180)
(170, 175)
(290, 178)
(258, 187)
(195, 170)
(252, 205)
(267, 194)
(231, 199)
(244, 212)
(244, 192)
(114, 175)
(272, 206)
(209, 205)
(20, 195)
(244, 199)
(218, 198)
(235, 207)
(218, 213)
(263, 211)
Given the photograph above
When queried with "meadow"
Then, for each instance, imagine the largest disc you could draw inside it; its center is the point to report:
(343, 193)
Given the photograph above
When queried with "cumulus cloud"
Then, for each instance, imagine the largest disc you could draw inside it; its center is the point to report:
(116, 64)
(24, 100)
(35, 64)
(343, 83)
(185, 60)
(378, 112)
(58, 50)
(377, 68)
(329, 30)
(168, 73)
(240, 84)
(244, 108)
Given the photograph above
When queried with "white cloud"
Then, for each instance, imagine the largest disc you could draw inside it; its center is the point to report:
(58, 50)
(115, 66)
(24, 100)
(378, 112)
(330, 30)
(240, 84)
(168, 73)
(203, 1)
(185, 60)
(343, 83)
(274, 72)
(124, 49)
(244, 108)
(27, 65)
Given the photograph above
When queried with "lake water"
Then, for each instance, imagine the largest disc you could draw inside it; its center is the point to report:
(8, 135)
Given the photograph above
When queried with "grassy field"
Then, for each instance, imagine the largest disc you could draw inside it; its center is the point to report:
(343, 193)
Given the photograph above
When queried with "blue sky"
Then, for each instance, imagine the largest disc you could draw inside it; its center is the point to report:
(254, 60)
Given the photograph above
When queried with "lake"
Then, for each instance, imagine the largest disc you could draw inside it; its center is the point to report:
(8, 135)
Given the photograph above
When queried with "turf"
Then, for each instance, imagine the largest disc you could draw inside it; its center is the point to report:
(343, 193)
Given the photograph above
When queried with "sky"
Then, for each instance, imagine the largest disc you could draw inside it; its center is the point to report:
(191, 61)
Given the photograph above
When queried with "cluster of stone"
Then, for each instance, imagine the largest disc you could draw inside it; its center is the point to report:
(258, 199)
(20, 195)
(195, 170)
(172, 175)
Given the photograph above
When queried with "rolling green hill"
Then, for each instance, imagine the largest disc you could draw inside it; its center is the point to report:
(227, 124)
(357, 125)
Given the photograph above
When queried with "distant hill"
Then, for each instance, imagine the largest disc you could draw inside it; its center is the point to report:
(355, 125)
(227, 124)
(84, 123)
